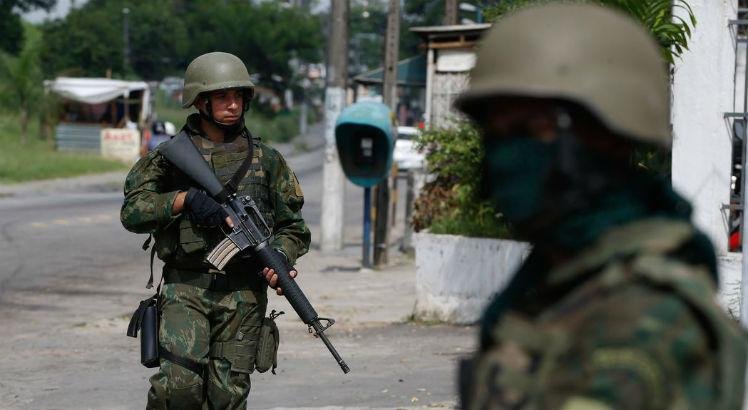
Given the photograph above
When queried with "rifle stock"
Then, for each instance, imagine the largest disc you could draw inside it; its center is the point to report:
(246, 234)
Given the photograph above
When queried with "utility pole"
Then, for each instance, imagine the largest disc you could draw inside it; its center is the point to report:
(450, 12)
(389, 92)
(335, 98)
(125, 39)
(391, 51)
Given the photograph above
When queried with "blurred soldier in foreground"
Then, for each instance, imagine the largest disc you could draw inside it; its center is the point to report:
(615, 307)
(210, 320)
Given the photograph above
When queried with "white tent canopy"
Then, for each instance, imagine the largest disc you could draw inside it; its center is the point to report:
(97, 90)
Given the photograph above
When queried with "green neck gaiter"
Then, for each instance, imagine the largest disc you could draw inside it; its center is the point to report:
(515, 171)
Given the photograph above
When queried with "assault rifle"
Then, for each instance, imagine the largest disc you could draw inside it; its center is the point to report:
(250, 232)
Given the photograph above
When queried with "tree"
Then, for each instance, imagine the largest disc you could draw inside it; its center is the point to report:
(166, 35)
(366, 27)
(22, 85)
(159, 42)
(11, 29)
(87, 42)
(265, 35)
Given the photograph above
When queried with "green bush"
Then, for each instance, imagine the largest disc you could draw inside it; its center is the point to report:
(450, 203)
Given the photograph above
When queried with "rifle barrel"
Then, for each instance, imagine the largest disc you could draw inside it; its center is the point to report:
(321, 334)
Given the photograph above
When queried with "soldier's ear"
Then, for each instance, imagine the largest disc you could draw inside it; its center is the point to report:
(200, 102)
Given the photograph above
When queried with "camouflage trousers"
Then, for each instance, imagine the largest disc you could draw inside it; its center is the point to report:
(216, 328)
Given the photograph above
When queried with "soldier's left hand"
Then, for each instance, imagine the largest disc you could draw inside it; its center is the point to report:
(272, 278)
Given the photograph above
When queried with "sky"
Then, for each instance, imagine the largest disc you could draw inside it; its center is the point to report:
(60, 10)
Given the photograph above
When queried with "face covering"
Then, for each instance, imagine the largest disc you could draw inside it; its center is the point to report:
(559, 193)
(515, 173)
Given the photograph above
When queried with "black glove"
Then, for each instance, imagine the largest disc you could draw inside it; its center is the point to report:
(203, 210)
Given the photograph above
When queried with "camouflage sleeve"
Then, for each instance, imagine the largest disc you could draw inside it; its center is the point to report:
(291, 235)
(148, 203)
(650, 355)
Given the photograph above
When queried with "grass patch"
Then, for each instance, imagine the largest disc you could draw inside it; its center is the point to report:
(37, 159)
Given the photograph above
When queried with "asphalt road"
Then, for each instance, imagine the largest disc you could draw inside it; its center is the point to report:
(70, 277)
(78, 234)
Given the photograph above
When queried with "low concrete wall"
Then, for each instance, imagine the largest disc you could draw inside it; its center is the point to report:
(457, 276)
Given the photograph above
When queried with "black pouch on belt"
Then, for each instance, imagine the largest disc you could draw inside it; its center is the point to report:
(145, 319)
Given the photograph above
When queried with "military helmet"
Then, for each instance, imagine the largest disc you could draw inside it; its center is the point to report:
(214, 71)
(589, 55)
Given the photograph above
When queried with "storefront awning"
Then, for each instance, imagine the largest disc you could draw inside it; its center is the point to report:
(93, 90)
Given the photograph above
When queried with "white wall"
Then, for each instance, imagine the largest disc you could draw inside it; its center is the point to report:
(703, 90)
(447, 77)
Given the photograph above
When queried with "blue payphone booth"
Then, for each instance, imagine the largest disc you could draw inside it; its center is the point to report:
(364, 134)
(365, 137)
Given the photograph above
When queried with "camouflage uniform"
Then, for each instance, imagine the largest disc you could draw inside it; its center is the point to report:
(615, 306)
(214, 325)
(628, 324)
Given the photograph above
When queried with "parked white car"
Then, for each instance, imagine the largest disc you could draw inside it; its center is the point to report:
(405, 154)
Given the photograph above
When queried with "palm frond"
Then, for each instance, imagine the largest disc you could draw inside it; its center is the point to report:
(672, 31)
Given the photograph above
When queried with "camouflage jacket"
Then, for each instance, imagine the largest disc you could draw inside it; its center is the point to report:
(153, 183)
(624, 325)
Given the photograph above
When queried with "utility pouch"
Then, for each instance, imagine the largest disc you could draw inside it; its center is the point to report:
(267, 346)
(145, 319)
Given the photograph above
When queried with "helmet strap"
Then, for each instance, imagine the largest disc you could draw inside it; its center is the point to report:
(228, 129)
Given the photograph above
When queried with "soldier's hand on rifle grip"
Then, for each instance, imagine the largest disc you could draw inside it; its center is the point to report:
(272, 279)
(204, 210)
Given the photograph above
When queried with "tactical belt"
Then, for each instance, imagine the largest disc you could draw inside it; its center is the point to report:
(214, 280)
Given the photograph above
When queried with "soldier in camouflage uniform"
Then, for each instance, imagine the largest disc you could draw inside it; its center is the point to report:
(212, 318)
(615, 306)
